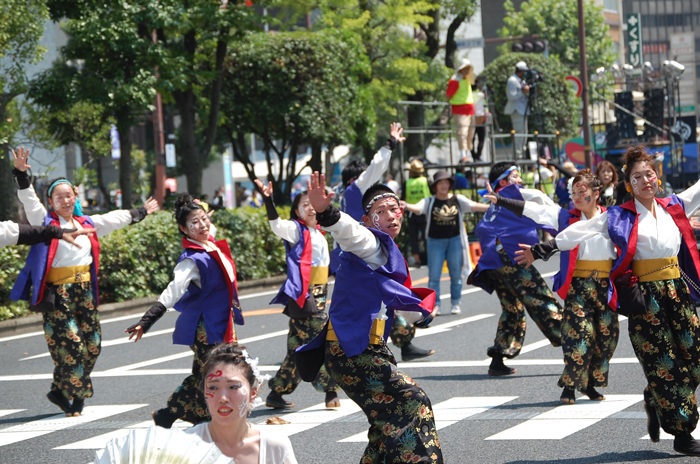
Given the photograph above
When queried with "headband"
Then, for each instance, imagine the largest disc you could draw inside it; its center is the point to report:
(77, 209)
(381, 196)
(494, 185)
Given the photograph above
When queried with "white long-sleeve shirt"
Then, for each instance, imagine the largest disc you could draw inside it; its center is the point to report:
(375, 170)
(9, 233)
(289, 231)
(658, 237)
(68, 254)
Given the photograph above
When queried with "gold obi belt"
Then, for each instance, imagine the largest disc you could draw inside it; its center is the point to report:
(648, 270)
(68, 275)
(319, 275)
(376, 335)
(593, 269)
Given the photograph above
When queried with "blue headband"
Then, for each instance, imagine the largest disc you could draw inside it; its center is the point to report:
(494, 185)
(77, 209)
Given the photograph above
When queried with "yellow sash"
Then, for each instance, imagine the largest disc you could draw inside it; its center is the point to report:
(376, 335)
(68, 275)
(648, 270)
(319, 275)
(596, 269)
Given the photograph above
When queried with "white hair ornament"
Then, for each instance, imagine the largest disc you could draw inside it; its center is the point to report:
(570, 187)
(259, 378)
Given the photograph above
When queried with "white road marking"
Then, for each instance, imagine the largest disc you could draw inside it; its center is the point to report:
(450, 412)
(565, 420)
(100, 441)
(7, 412)
(662, 435)
(436, 329)
(45, 426)
(311, 417)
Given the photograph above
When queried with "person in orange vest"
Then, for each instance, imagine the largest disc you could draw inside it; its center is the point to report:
(459, 91)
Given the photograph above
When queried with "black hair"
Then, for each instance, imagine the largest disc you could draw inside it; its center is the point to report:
(637, 154)
(183, 207)
(594, 183)
(373, 191)
(352, 170)
(53, 181)
(295, 205)
(498, 169)
(228, 353)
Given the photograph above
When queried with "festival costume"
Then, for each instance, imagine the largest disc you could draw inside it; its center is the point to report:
(12, 233)
(304, 296)
(666, 338)
(589, 328)
(519, 289)
(205, 293)
(60, 281)
(372, 282)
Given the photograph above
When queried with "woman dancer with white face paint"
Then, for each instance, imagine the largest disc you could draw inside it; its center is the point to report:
(60, 281)
(204, 291)
(231, 381)
(658, 258)
(303, 293)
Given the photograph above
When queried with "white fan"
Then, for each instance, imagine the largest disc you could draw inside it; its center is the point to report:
(157, 445)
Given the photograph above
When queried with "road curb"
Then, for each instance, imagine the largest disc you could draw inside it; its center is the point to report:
(34, 322)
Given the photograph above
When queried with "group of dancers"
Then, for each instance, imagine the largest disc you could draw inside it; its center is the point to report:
(644, 249)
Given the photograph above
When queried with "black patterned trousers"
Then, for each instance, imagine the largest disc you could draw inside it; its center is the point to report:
(589, 334)
(74, 337)
(666, 340)
(187, 401)
(402, 333)
(402, 425)
(521, 289)
(301, 332)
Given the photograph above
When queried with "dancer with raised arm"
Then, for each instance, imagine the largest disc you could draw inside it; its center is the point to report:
(373, 283)
(12, 233)
(589, 328)
(303, 293)
(205, 292)
(60, 281)
(658, 258)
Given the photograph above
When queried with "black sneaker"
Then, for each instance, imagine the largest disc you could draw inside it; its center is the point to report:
(59, 400)
(686, 444)
(275, 400)
(163, 418)
(593, 394)
(77, 408)
(410, 352)
(497, 368)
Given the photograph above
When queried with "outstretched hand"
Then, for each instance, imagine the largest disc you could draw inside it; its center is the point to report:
(524, 255)
(265, 189)
(136, 331)
(491, 195)
(151, 205)
(21, 156)
(73, 234)
(318, 197)
(396, 131)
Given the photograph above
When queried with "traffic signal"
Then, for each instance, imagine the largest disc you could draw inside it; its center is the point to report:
(653, 112)
(626, 128)
(530, 46)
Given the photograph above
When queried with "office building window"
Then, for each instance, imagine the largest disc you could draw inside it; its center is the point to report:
(610, 5)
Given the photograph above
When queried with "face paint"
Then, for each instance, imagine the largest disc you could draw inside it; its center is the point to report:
(375, 221)
(215, 374)
(588, 199)
(512, 176)
(635, 187)
(243, 407)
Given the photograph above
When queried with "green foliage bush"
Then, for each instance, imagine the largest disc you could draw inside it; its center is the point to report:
(139, 260)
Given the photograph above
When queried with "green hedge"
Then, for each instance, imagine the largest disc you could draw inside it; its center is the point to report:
(138, 261)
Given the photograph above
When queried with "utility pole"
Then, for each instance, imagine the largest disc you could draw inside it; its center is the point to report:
(159, 143)
(583, 64)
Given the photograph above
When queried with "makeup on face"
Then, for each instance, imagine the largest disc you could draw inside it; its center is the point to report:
(227, 390)
(386, 215)
(514, 178)
(198, 225)
(305, 210)
(63, 198)
(644, 178)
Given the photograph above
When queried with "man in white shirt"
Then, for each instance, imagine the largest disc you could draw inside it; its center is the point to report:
(517, 108)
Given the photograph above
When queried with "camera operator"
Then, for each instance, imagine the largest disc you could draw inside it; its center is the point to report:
(459, 91)
(517, 108)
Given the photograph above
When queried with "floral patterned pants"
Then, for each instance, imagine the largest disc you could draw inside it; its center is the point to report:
(74, 336)
(666, 340)
(589, 334)
(187, 401)
(301, 332)
(402, 425)
(401, 332)
(521, 289)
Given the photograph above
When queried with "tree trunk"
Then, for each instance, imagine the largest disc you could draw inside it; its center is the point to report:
(316, 161)
(101, 183)
(191, 162)
(125, 169)
(415, 143)
(8, 209)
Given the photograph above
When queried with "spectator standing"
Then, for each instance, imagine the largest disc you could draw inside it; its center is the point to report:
(516, 92)
(459, 91)
(480, 115)
(416, 189)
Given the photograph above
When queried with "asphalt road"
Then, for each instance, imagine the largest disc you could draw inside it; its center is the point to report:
(513, 419)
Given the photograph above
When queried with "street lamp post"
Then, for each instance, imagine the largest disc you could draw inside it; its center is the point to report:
(584, 84)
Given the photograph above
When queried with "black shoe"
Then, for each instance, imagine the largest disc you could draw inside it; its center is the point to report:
(275, 400)
(59, 400)
(410, 352)
(686, 444)
(568, 395)
(77, 408)
(332, 400)
(497, 368)
(653, 426)
(593, 394)
(163, 418)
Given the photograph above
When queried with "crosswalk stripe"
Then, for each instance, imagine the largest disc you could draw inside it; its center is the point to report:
(100, 441)
(450, 412)
(311, 417)
(565, 420)
(58, 422)
(436, 329)
(7, 412)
